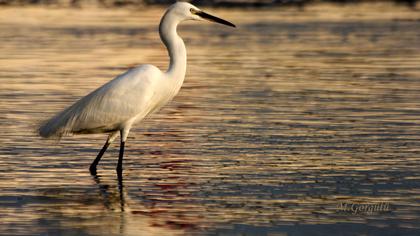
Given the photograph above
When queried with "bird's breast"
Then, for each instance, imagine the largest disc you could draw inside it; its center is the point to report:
(164, 94)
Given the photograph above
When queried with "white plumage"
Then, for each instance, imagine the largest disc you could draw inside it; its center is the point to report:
(127, 99)
(108, 108)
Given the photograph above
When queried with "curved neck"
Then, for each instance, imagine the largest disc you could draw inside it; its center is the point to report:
(174, 44)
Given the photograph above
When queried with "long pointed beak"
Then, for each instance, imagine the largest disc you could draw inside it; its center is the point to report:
(211, 18)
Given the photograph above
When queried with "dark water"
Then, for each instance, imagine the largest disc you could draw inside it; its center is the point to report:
(299, 122)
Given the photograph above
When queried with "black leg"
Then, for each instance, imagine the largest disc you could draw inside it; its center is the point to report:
(120, 160)
(92, 167)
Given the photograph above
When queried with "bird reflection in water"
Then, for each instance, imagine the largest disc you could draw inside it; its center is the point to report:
(109, 196)
(162, 211)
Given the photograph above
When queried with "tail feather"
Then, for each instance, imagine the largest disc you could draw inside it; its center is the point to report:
(65, 122)
(58, 126)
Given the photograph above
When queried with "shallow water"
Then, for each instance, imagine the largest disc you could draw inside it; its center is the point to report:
(279, 123)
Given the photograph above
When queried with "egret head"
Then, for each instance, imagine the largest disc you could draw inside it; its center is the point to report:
(188, 11)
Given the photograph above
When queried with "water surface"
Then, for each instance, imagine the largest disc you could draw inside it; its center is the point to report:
(278, 123)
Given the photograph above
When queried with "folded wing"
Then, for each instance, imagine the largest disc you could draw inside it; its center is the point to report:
(107, 108)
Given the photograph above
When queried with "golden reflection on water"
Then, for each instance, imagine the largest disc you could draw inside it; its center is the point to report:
(278, 122)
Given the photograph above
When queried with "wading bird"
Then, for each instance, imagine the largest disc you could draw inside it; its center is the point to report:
(130, 97)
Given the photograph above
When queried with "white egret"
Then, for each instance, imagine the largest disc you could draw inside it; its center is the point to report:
(128, 98)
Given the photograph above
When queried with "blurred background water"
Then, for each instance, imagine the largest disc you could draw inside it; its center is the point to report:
(279, 122)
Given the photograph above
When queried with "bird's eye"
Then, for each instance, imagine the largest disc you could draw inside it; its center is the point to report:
(193, 11)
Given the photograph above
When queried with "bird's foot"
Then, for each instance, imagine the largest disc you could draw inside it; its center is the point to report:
(92, 170)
